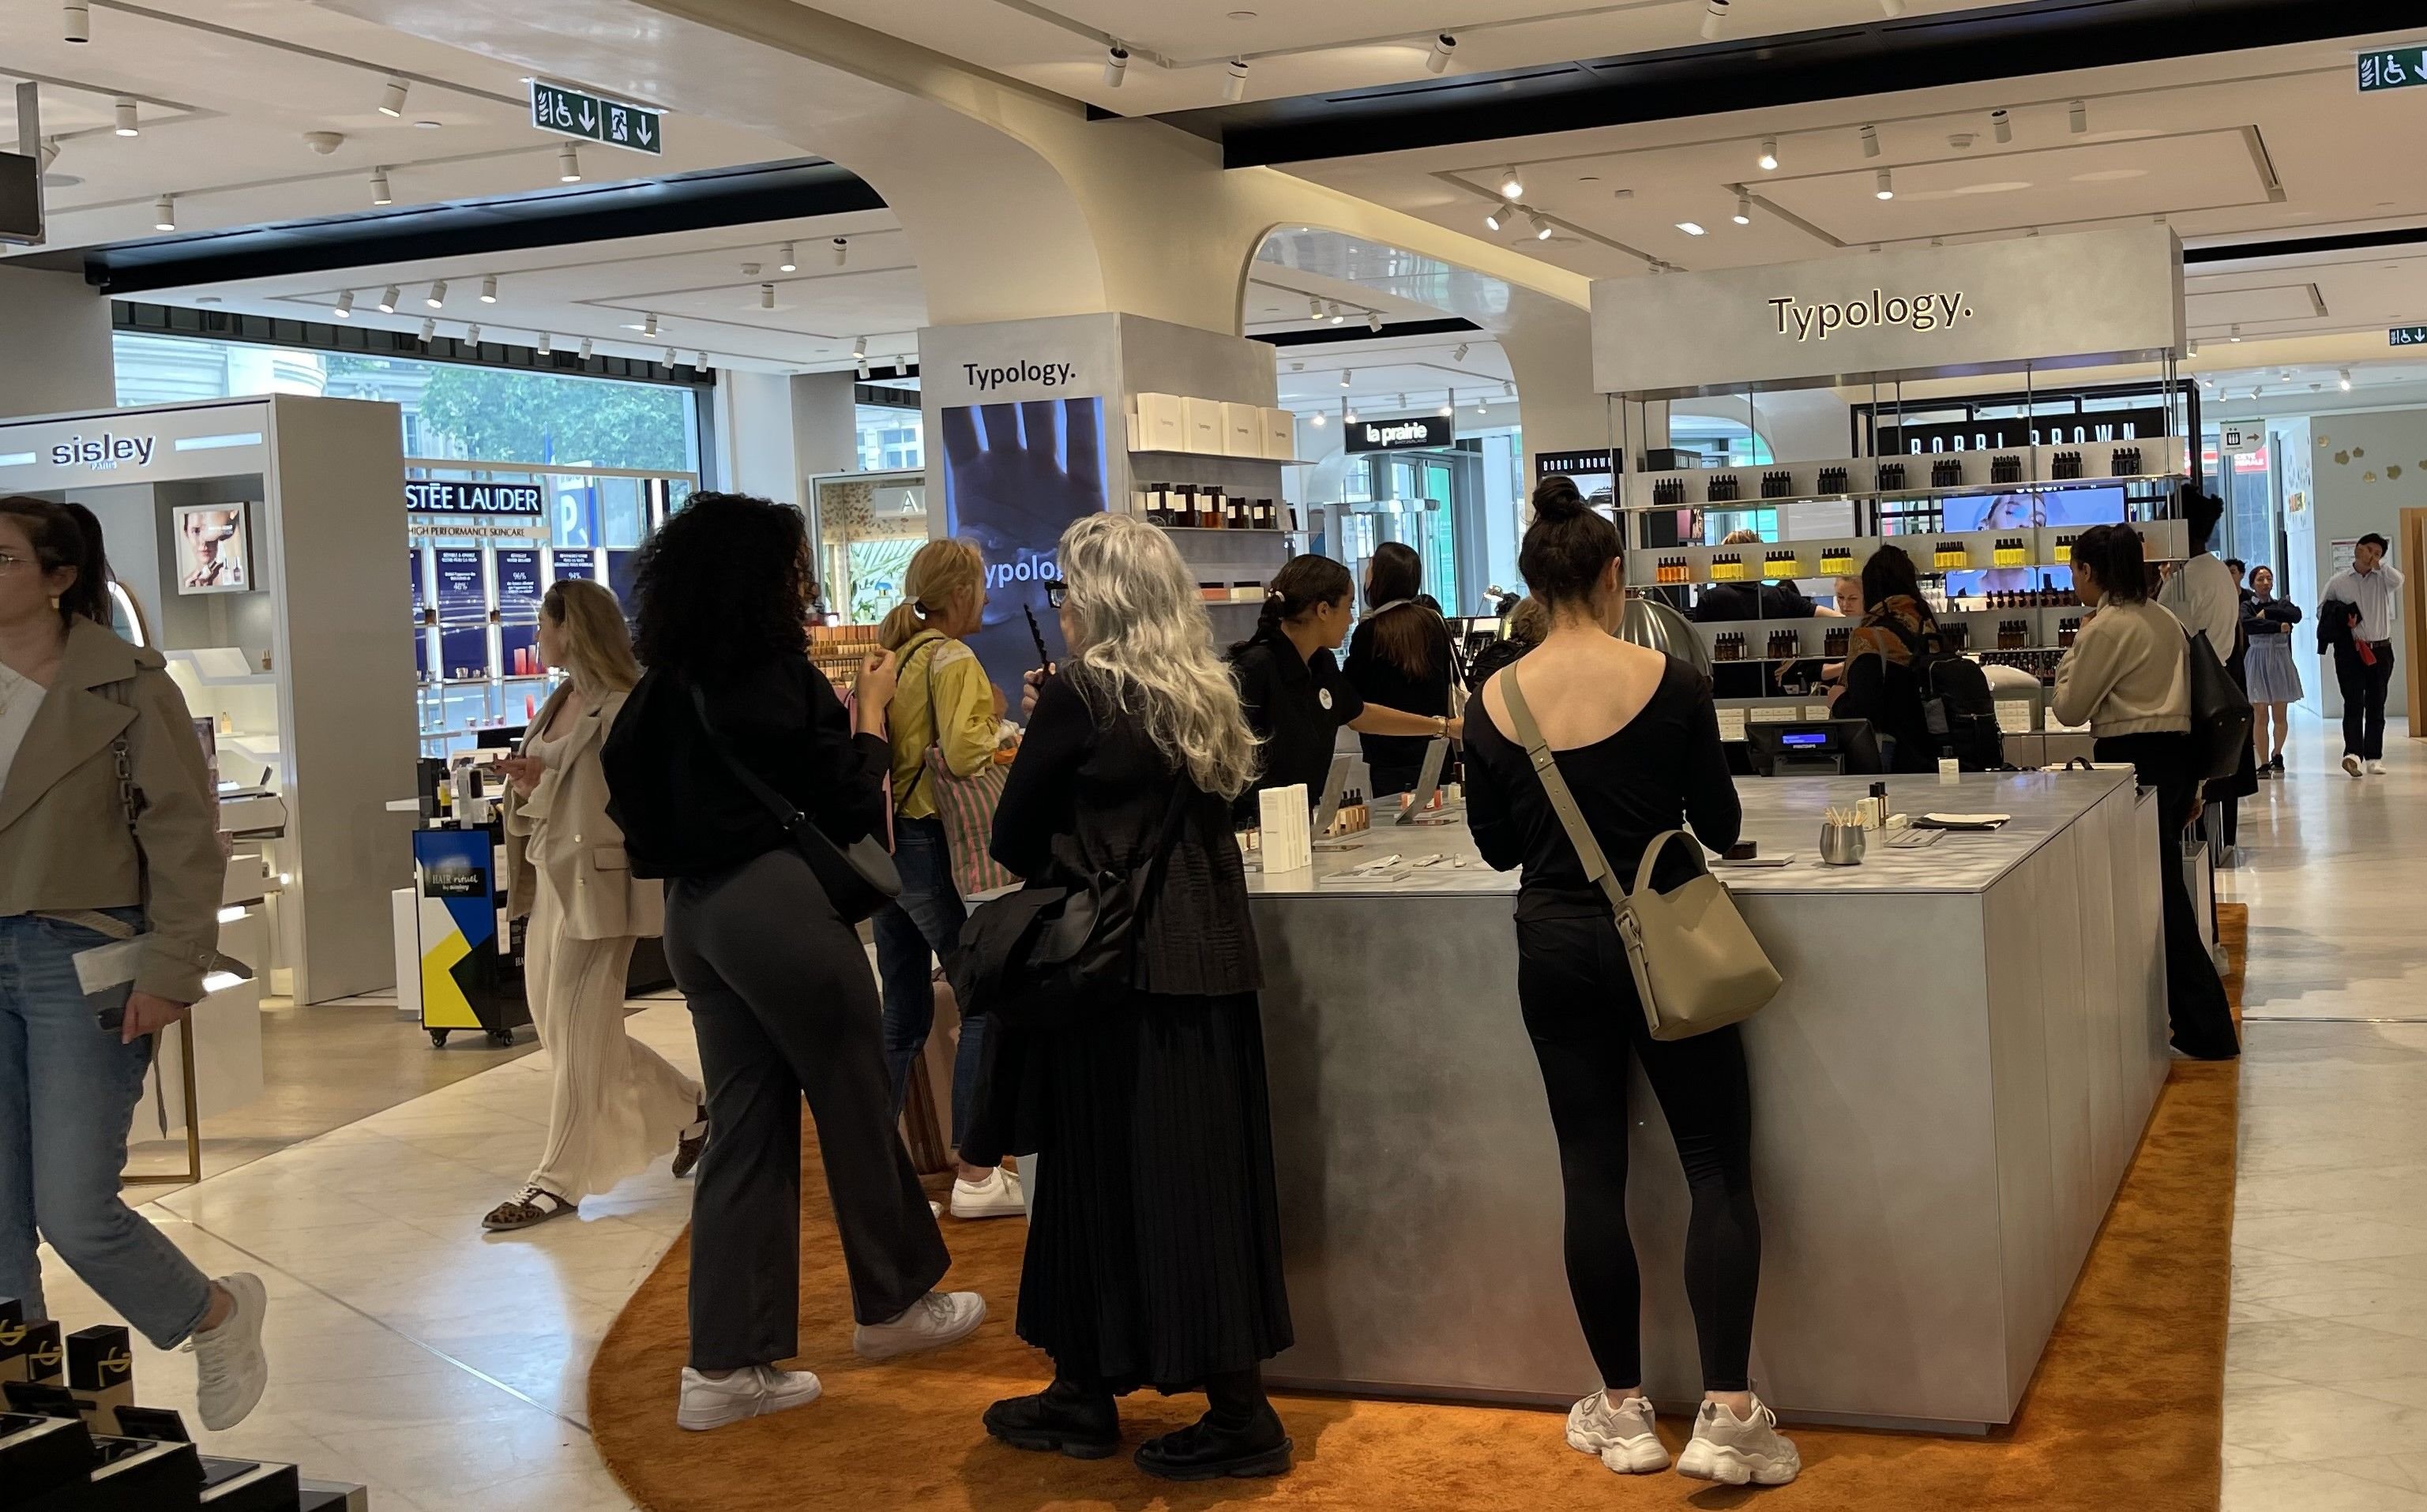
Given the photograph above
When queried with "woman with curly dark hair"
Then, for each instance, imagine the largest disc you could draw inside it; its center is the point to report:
(779, 989)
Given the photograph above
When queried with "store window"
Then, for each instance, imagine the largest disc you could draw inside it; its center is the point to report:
(890, 439)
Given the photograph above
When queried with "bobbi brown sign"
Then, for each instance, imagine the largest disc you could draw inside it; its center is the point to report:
(1994, 306)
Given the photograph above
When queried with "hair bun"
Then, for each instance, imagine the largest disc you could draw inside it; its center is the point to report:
(1556, 498)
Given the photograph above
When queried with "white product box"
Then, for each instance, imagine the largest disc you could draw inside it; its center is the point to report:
(1163, 424)
(1243, 430)
(1203, 434)
(1280, 435)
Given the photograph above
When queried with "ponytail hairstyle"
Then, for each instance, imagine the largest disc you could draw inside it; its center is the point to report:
(941, 572)
(1417, 644)
(1303, 583)
(1567, 546)
(67, 536)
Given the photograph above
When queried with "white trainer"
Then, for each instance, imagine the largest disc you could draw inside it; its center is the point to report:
(752, 1391)
(2376, 768)
(998, 1197)
(1619, 1432)
(2351, 764)
(1734, 1450)
(934, 1321)
(230, 1367)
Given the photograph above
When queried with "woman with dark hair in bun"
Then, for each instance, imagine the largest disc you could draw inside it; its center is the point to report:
(1636, 738)
(1295, 697)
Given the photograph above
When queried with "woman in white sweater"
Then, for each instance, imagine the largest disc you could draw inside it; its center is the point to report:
(2126, 677)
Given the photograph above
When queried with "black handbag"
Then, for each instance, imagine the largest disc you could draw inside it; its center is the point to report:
(858, 878)
(1043, 957)
(2220, 713)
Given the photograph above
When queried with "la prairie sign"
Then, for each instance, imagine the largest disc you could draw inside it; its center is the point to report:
(2046, 301)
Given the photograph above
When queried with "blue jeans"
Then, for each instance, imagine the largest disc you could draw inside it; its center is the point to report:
(67, 1097)
(923, 923)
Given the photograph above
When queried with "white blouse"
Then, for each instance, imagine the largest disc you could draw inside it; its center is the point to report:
(20, 697)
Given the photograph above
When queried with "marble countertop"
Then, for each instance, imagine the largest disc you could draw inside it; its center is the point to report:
(1782, 815)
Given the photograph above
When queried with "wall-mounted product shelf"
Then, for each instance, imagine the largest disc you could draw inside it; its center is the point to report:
(2160, 458)
(1221, 456)
(2167, 540)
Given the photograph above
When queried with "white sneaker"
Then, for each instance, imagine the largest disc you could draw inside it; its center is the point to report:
(933, 1322)
(231, 1368)
(752, 1391)
(2376, 768)
(2351, 764)
(1619, 1432)
(1734, 1450)
(998, 1197)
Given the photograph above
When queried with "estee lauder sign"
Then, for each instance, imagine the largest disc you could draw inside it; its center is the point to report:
(1985, 307)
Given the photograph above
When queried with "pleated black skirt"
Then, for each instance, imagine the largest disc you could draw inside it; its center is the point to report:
(1154, 1249)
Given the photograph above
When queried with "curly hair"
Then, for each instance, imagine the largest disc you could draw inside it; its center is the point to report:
(724, 583)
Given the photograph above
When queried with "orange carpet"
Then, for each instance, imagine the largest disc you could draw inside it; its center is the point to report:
(2126, 1412)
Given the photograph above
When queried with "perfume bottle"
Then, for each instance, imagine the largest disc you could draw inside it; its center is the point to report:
(1891, 477)
(1723, 489)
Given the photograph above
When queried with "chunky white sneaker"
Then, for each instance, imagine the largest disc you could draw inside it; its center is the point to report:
(2351, 764)
(229, 1365)
(933, 1322)
(752, 1391)
(2376, 768)
(1734, 1450)
(1619, 1432)
(998, 1197)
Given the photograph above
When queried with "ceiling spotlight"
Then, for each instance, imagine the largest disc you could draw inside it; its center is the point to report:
(699, 360)
(75, 20)
(1538, 226)
(437, 296)
(786, 261)
(1346, 374)
(379, 192)
(164, 213)
(2343, 378)
(2076, 117)
(124, 110)
(388, 299)
(861, 367)
(568, 164)
(1316, 418)
(1886, 189)
(1767, 161)
(1116, 62)
(1511, 186)
(1336, 317)
(1481, 408)
(766, 296)
(1892, 7)
(472, 335)
(1374, 321)
(1744, 208)
(2193, 349)
(585, 348)
(1349, 415)
(1715, 16)
(673, 357)
(1449, 402)
(547, 347)
(2234, 333)
(1459, 355)
(344, 309)
(649, 326)
(859, 349)
(392, 98)
(1690, 228)
(2001, 124)
(489, 289)
(1315, 309)
(1437, 59)
(429, 330)
(1500, 215)
(1234, 80)
(1870, 141)
(842, 250)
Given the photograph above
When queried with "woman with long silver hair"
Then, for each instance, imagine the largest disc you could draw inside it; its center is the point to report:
(1154, 1255)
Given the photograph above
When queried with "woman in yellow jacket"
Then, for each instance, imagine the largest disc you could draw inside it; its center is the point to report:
(614, 1104)
(943, 701)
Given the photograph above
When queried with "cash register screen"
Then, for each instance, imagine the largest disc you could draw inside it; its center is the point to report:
(1809, 738)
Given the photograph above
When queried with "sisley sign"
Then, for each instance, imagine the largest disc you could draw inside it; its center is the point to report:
(1985, 307)
(104, 451)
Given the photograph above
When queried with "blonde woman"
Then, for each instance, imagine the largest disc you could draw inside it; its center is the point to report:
(1154, 1252)
(943, 701)
(614, 1104)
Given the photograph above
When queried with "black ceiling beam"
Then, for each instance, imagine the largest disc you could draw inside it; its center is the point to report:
(1877, 58)
(1356, 330)
(571, 216)
(378, 341)
(2299, 246)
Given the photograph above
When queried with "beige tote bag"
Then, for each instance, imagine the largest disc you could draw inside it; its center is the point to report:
(1697, 966)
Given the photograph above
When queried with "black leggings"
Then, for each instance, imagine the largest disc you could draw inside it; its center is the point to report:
(1580, 1007)
(2197, 1009)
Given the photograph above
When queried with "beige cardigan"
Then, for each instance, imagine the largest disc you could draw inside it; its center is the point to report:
(580, 847)
(2126, 672)
(64, 844)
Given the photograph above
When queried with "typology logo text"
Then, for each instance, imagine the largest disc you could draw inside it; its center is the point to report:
(985, 379)
(1820, 319)
(103, 450)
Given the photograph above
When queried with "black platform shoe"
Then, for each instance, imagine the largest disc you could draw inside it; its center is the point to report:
(1206, 1449)
(1062, 1418)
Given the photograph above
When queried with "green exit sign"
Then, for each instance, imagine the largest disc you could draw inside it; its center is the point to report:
(575, 113)
(2392, 68)
(2407, 337)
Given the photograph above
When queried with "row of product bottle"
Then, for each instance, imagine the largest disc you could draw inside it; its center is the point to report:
(2040, 664)
(1784, 645)
(1186, 506)
(2048, 595)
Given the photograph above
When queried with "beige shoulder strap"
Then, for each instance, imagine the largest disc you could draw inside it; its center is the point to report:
(1563, 802)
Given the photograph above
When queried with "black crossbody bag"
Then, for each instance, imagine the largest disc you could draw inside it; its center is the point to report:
(858, 878)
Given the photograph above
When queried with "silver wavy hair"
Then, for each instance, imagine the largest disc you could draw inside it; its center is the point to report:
(1142, 642)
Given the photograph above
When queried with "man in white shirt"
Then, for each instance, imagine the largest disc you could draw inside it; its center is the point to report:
(2364, 663)
(2203, 593)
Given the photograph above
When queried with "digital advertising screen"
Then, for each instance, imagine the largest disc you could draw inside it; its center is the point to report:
(519, 585)
(2062, 508)
(1015, 476)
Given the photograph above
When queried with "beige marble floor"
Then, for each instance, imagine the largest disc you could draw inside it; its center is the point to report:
(2326, 1364)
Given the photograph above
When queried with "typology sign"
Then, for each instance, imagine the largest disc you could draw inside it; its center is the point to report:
(2407, 337)
(1401, 435)
(593, 118)
(436, 496)
(2392, 68)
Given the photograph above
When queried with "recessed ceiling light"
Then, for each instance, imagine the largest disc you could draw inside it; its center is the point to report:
(427, 125)
(1690, 228)
(1239, 15)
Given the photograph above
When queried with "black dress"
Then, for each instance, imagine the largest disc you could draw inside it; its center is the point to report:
(1154, 1251)
(1398, 760)
(1296, 706)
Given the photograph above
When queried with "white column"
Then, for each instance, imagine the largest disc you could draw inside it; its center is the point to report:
(54, 345)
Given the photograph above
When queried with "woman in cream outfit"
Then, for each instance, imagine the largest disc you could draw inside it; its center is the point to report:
(617, 1104)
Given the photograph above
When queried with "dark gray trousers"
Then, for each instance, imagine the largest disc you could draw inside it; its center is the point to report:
(785, 1007)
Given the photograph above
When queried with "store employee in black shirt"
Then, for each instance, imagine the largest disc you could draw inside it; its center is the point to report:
(1295, 698)
(1400, 655)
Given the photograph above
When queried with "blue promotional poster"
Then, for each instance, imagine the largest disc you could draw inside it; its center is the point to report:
(462, 603)
(571, 565)
(420, 618)
(518, 584)
(1015, 476)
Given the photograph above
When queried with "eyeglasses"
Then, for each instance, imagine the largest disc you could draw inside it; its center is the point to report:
(1056, 592)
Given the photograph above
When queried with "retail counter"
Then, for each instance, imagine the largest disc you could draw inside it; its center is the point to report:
(1945, 1093)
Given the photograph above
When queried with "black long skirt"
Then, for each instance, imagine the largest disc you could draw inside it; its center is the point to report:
(1154, 1248)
